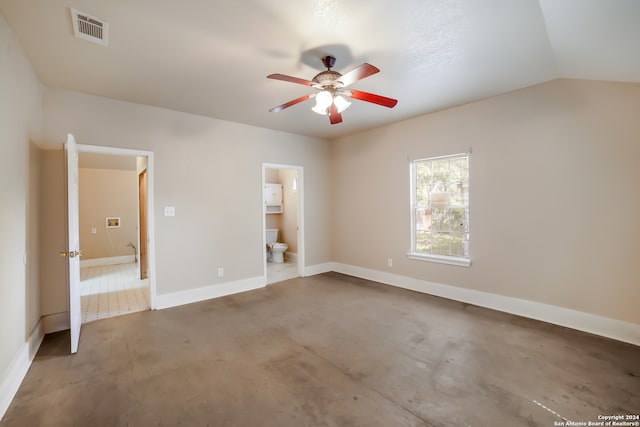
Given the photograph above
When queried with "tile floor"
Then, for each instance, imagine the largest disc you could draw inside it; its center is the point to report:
(279, 272)
(112, 290)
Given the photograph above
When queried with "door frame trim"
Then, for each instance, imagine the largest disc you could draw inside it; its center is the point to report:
(300, 190)
(151, 252)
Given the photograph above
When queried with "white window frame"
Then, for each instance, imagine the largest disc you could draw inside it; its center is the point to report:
(421, 256)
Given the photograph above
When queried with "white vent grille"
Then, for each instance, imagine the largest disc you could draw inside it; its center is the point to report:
(90, 28)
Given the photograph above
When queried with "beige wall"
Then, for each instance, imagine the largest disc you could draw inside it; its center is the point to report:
(218, 220)
(33, 239)
(53, 232)
(20, 125)
(273, 221)
(271, 176)
(544, 150)
(107, 193)
(554, 195)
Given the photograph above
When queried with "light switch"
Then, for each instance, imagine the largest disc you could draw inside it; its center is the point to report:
(94, 230)
(169, 211)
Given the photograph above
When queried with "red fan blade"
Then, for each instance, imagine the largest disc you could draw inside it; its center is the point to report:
(370, 97)
(290, 103)
(334, 115)
(358, 73)
(290, 79)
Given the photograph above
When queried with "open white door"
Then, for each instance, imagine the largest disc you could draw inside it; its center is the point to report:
(75, 313)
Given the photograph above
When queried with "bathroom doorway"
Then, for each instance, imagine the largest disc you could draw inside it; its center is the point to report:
(114, 198)
(283, 210)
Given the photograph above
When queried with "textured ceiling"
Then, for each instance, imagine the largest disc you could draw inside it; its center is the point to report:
(211, 57)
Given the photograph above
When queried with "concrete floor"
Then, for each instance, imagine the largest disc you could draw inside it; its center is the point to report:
(328, 350)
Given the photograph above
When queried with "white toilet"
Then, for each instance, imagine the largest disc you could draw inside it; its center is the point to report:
(275, 250)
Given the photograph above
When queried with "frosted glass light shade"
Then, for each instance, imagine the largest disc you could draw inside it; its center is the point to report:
(341, 103)
(320, 110)
(323, 100)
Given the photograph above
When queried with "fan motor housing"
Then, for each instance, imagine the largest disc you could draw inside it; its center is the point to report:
(327, 78)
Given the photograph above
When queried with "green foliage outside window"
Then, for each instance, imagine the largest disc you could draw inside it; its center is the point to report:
(442, 206)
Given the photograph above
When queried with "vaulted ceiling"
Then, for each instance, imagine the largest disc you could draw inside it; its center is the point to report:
(211, 57)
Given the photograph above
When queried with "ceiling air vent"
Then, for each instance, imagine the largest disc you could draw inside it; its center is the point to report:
(90, 28)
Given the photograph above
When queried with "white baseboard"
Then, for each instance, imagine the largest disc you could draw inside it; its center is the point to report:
(586, 322)
(208, 292)
(312, 270)
(17, 370)
(55, 322)
(112, 260)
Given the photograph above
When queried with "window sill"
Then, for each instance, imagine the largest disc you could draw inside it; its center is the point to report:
(461, 262)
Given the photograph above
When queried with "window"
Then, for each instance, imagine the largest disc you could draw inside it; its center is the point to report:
(440, 209)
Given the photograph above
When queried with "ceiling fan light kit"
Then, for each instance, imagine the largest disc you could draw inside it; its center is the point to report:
(324, 100)
(331, 84)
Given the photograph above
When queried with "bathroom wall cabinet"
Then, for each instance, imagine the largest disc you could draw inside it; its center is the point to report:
(273, 198)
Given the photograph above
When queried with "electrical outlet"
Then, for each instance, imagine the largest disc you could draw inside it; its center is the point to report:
(220, 272)
(389, 262)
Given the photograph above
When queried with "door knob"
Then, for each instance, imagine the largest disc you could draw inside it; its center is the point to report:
(71, 254)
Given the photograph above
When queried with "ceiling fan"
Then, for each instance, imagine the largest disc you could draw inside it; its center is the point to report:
(332, 86)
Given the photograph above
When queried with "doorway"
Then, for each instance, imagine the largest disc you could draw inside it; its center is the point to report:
(116, 228)
(283, 221)
(143, 234)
